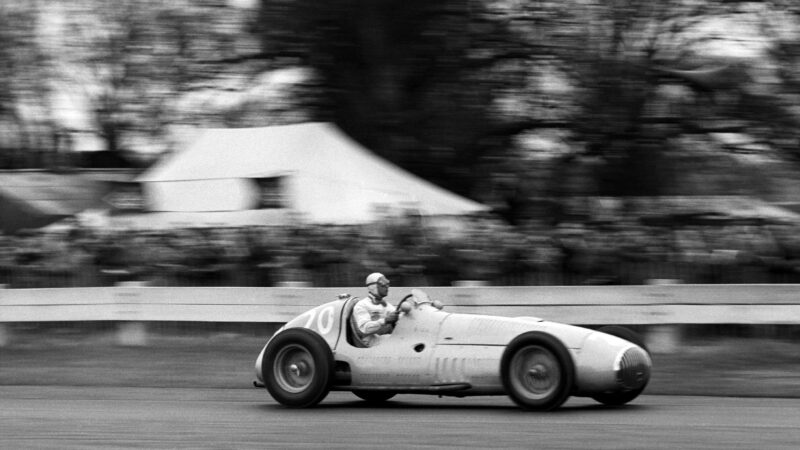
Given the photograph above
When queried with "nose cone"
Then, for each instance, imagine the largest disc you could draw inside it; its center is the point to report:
(633, 368)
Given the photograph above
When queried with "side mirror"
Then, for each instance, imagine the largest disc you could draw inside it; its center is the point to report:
(405, 307)
(437, 304)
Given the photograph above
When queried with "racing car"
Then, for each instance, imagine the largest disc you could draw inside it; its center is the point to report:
(537, 363)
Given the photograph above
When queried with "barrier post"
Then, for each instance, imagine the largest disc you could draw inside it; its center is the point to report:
(132, 333)
(663, 338)
(5, 333)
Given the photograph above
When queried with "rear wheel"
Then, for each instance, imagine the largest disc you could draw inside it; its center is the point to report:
(374, 396)
(622, 397)
(537, 371)
(298, 368)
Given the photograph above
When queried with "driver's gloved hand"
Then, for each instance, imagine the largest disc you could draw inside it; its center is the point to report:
(391, 317)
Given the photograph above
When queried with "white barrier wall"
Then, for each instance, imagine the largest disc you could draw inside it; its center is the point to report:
(596, 305)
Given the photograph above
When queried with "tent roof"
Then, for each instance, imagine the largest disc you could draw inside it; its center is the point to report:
(319, 153)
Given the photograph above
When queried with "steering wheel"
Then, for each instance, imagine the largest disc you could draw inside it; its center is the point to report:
(400, 303)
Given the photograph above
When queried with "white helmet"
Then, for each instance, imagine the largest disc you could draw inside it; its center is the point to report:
(375, 278)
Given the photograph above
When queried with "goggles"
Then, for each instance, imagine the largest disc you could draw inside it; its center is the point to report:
(381, 282)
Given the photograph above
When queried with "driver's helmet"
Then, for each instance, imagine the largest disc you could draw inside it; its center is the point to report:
(376, 278)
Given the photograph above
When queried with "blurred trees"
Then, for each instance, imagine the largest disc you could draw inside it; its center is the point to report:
(117, 70)
(657, 80)
(133, 61)
(408, 79)
(22, 69)
(500, 99)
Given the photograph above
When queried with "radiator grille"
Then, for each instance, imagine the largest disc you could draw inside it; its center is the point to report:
(634, 369)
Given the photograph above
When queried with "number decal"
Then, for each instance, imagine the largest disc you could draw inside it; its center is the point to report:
(311, 315)
(325, 320)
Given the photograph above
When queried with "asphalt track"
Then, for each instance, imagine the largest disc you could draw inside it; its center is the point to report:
(102, 417)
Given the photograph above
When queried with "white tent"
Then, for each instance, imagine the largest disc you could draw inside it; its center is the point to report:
(317, 172)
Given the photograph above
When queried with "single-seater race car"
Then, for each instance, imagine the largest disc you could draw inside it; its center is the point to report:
(537, 363)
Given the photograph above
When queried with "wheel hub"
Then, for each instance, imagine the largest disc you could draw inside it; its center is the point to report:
(298, 369)
(294, 368)
(538, 373)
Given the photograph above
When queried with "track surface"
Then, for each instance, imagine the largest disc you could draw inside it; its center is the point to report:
(102, 417)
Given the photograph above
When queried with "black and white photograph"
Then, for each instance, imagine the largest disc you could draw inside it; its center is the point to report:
(421, 224)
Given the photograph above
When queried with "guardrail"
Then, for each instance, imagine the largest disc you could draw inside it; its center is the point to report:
(643, 305)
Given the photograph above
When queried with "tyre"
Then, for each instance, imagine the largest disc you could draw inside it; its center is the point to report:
(537, 371)
(298, 368)
(622, 397)
(374, 396)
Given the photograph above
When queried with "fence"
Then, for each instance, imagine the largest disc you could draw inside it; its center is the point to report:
(662, 307)
(644, 305)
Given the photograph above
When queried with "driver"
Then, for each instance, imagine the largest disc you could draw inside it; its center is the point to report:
(372, 316)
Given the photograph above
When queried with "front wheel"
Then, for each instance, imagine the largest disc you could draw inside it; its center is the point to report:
(537, 371)
(298, 368)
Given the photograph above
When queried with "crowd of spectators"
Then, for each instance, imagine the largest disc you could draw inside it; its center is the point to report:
(482, 251)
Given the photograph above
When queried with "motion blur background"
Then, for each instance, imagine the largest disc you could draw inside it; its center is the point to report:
(620, 142)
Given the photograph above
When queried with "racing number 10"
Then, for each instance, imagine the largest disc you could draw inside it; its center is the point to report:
(324, 320)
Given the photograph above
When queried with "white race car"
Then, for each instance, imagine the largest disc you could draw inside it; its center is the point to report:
(537, 363)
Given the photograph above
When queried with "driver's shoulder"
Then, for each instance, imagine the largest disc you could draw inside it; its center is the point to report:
(363, 303)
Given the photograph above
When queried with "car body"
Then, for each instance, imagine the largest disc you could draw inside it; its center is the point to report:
(538, 363)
